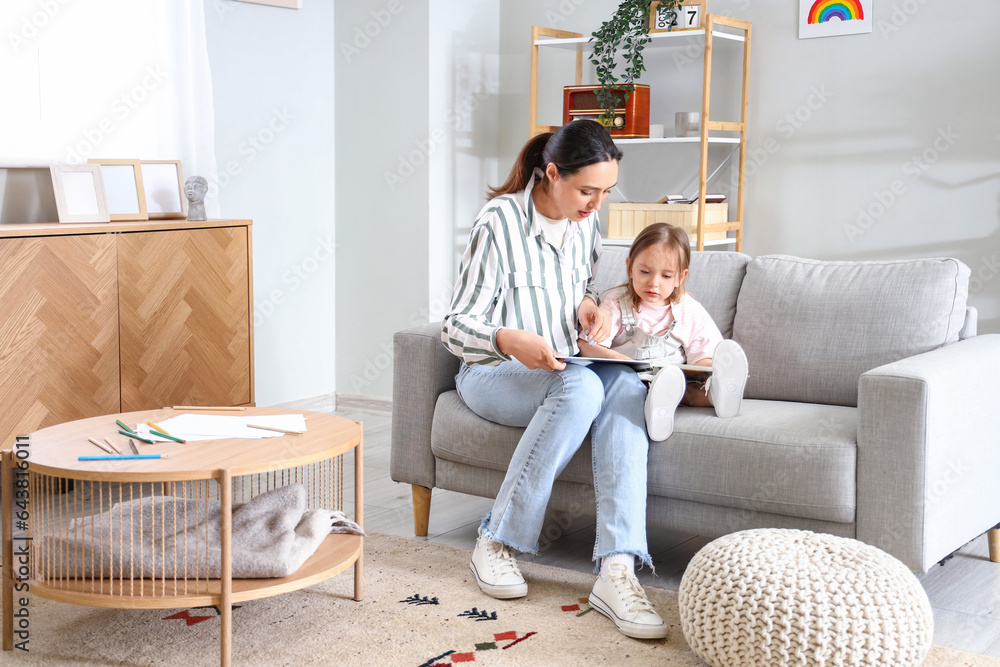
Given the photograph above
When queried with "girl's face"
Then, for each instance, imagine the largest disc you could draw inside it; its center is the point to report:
(654, 274)
(578, 195)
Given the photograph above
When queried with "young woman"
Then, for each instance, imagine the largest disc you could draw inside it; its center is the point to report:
(524, 296)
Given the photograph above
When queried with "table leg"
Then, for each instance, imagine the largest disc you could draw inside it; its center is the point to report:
(359, 510)
(226, 583)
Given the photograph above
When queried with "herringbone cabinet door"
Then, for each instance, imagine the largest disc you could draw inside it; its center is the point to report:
(185, 318)
(58, 331)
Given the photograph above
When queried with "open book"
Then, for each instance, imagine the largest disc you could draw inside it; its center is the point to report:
(691, 372)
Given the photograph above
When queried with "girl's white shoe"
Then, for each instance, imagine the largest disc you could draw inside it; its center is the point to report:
(665, 393)
(729, 378)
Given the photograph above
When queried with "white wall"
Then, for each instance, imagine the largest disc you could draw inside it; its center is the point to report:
(383, 142)
(273, 77)
(901, 123)
(415, 147)
(464, 112)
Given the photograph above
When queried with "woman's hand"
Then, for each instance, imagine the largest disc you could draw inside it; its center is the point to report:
(594, 323)
(528, 348)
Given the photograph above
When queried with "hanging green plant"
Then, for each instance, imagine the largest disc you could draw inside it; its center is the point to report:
(626, 34)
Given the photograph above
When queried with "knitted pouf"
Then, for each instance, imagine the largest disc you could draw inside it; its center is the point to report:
(772, 597)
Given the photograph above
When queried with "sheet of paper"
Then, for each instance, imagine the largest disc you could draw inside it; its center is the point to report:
(215, 427)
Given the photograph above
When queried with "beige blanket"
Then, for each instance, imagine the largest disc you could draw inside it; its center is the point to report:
(166, 536)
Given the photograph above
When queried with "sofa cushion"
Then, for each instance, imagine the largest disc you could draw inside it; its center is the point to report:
(714, 280)
(458, 434)
(811, 328)
(792, 459)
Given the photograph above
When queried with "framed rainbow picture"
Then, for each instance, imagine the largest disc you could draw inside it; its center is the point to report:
(829, 18)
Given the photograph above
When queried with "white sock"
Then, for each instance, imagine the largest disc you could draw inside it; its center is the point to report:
(627, 560)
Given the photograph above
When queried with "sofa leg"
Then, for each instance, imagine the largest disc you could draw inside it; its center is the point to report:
(993, 538)
(421, 509)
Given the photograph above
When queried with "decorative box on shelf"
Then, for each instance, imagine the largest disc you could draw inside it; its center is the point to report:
(631, 115)
(626, 220)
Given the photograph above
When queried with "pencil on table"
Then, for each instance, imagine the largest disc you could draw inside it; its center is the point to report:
(167, 436)
(157, 427)
(137, 437)
(103, 447)
(113, 446)
(124, 457)
(279, 430)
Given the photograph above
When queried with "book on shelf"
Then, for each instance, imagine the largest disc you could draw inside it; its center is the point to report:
(710, 198)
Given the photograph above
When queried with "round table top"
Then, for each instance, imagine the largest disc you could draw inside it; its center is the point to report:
(56, 449)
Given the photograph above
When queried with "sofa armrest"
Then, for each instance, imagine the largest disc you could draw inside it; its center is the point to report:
(422, 370)
(929, 451)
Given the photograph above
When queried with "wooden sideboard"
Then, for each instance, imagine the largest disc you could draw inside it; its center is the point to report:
(113, 317)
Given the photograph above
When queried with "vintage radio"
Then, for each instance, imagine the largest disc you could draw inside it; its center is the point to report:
(631, 115)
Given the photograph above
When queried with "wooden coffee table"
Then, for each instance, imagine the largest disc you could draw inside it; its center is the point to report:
(228, 470)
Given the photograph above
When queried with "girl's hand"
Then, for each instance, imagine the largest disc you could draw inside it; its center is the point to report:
(528, 348)
(594, 323)
(588, 350)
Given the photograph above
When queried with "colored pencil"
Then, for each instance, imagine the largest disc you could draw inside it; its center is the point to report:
(103, 447)
(279, 430)
(137, 437)
(131, 444)
(124, 426)
(167, 436)
(113, 446)
(122, 457)
(157, 427)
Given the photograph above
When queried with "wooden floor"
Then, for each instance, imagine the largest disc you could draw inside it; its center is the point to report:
(964, 592)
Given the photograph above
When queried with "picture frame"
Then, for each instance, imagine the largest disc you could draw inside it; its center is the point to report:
(79, 191)
(123, 189)
(692, 16)
(163, 184)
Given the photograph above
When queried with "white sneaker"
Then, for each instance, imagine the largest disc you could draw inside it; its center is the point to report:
(621, 598)
(665, 392)
(496, 570)
(729, 378)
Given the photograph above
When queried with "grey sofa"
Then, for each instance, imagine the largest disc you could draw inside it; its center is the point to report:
(869, 411)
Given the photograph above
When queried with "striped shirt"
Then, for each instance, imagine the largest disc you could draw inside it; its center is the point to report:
(511, 277)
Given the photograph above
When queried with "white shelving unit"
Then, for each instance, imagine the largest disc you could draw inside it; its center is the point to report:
(715, 27)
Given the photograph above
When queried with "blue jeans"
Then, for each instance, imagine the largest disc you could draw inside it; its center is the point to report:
(557, 409)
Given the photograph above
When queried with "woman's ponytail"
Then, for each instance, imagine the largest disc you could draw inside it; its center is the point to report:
(530, 157)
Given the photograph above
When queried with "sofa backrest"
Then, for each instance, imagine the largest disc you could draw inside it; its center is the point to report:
(811, 328)
(714, 280)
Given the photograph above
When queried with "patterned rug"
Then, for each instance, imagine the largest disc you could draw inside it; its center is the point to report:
(421, 608)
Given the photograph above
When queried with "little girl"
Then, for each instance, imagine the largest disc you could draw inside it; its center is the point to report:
(652, 317)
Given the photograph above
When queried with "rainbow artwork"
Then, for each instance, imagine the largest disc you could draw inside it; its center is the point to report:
(827, 10)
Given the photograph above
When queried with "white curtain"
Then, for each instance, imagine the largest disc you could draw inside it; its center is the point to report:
(106, 78)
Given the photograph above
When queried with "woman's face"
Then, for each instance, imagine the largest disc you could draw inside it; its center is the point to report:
(578, 195)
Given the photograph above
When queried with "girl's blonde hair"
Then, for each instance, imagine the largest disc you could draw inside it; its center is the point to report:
(660, 233)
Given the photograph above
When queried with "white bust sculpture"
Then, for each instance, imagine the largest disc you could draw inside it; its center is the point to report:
(195, 189)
